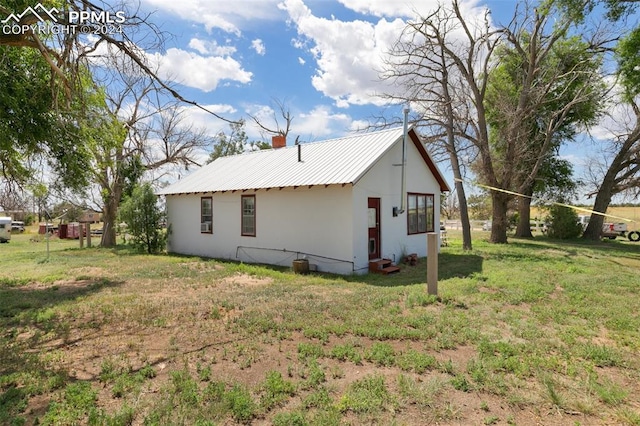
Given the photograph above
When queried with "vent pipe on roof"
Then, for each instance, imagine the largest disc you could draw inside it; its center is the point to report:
(299, 153)
(403, 184)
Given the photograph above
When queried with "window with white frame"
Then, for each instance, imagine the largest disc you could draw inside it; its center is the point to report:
(248, 215)
(206, 215)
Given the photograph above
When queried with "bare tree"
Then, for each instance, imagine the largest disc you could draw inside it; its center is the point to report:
(134, 131)
(448, 62)
(71, 51)
(283, 113)
(622, 173)
(546, 87)
(441, 61)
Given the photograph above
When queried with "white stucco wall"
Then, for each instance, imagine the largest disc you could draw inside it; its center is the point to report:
(384, 181)
(314, 221)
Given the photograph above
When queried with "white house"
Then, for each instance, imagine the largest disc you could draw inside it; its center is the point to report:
(338, 203)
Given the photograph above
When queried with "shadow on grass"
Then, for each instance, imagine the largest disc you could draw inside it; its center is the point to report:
(619, 247)
(27, 307)
(26, 321)
(450, 265)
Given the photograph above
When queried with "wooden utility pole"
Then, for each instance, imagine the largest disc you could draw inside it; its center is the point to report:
(432, 263)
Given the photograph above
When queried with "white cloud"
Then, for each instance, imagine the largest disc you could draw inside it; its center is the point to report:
(229, 16)
(201, 119)
(387, 8)
(258, 46)
(211, 47)
(405, 8)
(619, 120)
(301, 61)
(319, 123)
(350, 54)
(201, 72)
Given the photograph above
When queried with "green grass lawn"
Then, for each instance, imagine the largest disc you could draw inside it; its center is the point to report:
(532, 332)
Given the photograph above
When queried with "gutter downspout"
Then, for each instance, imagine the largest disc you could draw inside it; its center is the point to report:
(403, 186)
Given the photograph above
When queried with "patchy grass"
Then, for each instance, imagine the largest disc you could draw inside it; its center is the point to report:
(532, 332)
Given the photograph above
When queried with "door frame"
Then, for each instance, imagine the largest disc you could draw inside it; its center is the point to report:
(374, 233)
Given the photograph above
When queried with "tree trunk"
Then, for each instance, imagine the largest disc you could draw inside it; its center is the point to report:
(110, 213)
(606, 190)
(462, 200)
(603, 198)
(109, 217)
(464, 217)
(499, 224)
(524, 215)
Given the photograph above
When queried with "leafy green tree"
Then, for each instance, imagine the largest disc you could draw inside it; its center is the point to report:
(31, 128)
(68, 211)
(66, 55)
(563, 223)
(479, 206)
(130, 132)
(144, 216)
(236, 142)
(546, 86)
(628, 57)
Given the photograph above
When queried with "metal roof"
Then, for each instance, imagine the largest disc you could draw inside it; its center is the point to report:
(337, 161)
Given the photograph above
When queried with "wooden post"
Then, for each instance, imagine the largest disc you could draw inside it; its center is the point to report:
(432, 263)
(80, 235)
(88, 227)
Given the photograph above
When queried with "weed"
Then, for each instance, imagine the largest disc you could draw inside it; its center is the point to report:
(78, 402)
(336, 372)
(412, 360)
(346, 352)
(491, 420)
(295, 418)
(12, 402)
(460, 382)
(368, 395)
(552, 392)
(315, 375)
(185, 388)
(423, 394)
(381, 354)
(275, 390)
(610, 392)
(600, 355)
(309, 351)
(317, 399)
(239, 402)
(530, 315)
(447, 367)
(628, 416)
(204, 373)
(420, 298)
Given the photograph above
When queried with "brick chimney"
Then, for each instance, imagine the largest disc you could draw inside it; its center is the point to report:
(278, 141)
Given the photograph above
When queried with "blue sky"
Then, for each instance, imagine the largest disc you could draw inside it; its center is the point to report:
(320, 58)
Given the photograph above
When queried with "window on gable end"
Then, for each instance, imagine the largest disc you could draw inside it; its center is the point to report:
(420, 213)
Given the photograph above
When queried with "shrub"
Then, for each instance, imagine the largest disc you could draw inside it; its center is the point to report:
(143, 217)
(563, 223)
